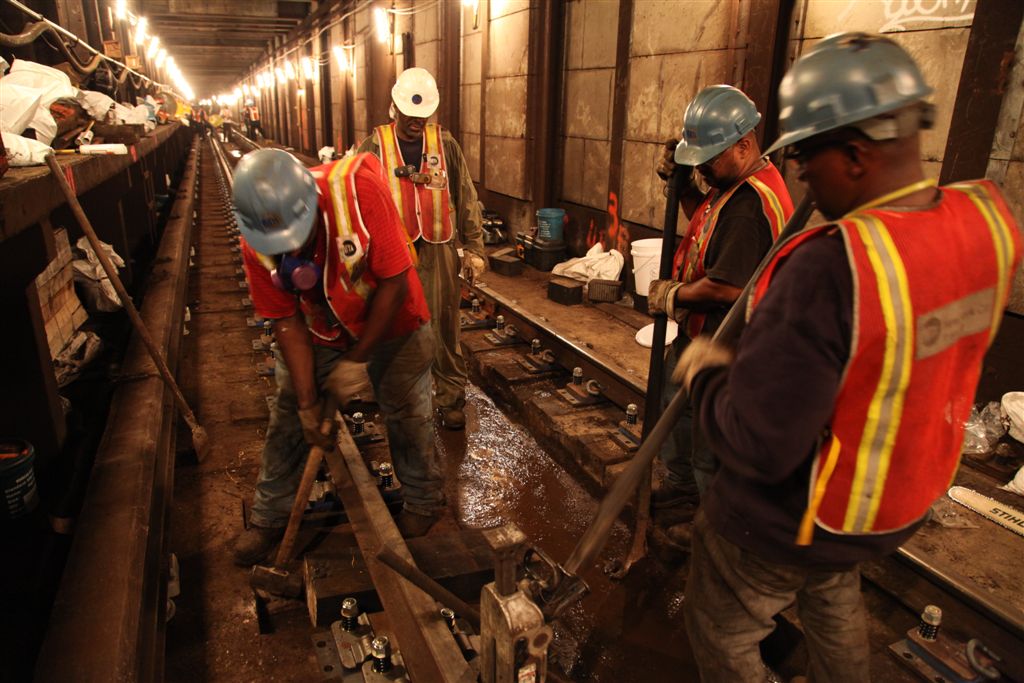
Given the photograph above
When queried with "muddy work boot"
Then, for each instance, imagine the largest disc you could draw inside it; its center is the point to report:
(669, 495)
(452, 417)
(413, 525)
(255, 543)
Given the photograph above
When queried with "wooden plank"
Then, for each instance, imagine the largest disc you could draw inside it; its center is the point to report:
(462, 563)
(429, 651)
(27, 195)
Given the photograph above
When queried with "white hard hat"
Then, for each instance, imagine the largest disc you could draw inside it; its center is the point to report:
(415, 93)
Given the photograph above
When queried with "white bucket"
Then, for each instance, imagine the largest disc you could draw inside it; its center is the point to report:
(646, 263)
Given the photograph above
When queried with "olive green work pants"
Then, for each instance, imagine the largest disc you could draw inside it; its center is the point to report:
(438, 268)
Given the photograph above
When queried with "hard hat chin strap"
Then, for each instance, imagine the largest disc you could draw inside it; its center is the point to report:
(900, 123)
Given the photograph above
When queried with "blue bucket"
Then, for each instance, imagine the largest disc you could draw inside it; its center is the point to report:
(18, 494)
(549, 224)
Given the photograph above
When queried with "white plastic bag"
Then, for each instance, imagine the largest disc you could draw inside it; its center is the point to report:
(18, 106)
(596, 265)
(23, 151)
(53, 83)
(325, 154)
(1012, 407)
(96, 104)
(98, 293)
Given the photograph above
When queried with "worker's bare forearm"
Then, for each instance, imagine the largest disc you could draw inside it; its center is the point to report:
(706, 293)
(296, 346)
(387, 299)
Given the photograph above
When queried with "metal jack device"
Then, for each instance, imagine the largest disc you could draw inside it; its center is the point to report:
(514, 636)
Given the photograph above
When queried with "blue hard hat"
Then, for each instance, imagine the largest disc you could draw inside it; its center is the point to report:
(714, 121)
(275, 201)
(844, 79)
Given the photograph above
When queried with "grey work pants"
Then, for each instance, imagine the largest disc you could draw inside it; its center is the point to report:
(732, 595)
(399, 373)
(438, 268)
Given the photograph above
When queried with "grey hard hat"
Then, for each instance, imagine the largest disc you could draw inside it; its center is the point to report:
(844, 79)
(714, 120)
(275, 201)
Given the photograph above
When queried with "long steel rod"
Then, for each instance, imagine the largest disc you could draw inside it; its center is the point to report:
(596, 536)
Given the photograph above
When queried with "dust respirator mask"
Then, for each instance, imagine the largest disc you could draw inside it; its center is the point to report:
(296, 274)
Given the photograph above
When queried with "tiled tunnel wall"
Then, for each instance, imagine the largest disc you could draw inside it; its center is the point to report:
(603, 172)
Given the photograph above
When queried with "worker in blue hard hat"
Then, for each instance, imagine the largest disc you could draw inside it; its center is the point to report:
(732, 225)
(430, 181)
(326, 260)
(838, 419)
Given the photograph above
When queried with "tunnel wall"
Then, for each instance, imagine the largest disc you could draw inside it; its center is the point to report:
(568, 104)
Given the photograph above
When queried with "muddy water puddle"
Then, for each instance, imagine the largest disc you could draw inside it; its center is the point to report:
(629, 630)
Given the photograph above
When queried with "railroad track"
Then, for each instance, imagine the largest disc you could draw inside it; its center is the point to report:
(898, 587)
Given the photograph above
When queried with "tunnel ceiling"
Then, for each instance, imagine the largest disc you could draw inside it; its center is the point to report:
(213, 41)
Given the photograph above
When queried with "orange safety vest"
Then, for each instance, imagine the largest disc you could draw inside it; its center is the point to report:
(254, 113)
(930, 287)
(346, 281)
(425, 209)
(689, 258)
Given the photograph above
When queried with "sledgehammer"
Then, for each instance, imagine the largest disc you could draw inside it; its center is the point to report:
(278, 579)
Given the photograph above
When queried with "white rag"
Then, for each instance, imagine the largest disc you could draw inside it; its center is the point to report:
(596, 265)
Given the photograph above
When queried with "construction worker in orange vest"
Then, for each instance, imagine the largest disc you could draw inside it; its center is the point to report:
(732, 226)
(251, 117)
(839, 419)
(431, 184)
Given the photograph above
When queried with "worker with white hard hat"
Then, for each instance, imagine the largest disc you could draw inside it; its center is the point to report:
(431, 184)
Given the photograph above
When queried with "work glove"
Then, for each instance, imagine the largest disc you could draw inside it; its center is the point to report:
(312, 419)
(473, 266)
(701, 353)
(348, 379)
(667, 164)
(661, 297)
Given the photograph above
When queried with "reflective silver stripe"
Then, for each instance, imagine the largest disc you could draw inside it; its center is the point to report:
(890, 406)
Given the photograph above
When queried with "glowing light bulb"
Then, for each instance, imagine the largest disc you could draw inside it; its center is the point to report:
(382, 25)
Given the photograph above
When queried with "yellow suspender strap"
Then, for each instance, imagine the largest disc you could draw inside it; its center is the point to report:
(389, 157)
(432, 138)
(806, 532)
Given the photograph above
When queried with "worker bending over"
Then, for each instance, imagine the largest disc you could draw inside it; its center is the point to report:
(424, 168)
(731, 228)
(327, 260)
(840, 419)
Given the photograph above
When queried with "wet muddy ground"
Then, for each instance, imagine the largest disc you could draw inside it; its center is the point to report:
(496, 471)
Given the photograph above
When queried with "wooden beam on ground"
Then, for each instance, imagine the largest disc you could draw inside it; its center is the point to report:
(463, 563)
(428, 649)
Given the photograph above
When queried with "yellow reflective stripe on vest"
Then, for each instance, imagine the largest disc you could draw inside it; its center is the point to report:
(773, 201)
(1003, 243)
(342, 184)
(704, 237)
(806, 531)
(432, 140)
(389, 157)
(886, 408)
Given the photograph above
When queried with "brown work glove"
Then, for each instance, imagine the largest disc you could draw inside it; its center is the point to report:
(314, 431)
(702, 352)
(667, 164)
(661, 297)
(348, 380)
